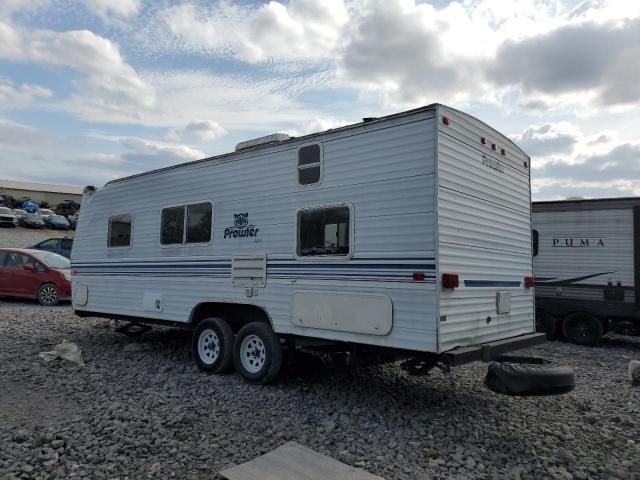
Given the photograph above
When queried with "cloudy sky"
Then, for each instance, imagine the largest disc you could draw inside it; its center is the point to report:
(97, 89)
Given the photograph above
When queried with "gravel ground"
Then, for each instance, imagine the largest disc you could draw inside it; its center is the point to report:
(21, 237)
(139, 408)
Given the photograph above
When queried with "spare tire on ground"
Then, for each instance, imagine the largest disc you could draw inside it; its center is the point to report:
(528, 380)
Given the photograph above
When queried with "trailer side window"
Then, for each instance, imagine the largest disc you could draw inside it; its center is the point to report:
(199, 223)
(172, 226)
(309, 164)
(323, 231)
(119, 234)
(535, 242)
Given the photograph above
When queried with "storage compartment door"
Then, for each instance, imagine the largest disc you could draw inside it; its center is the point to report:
(353, 312)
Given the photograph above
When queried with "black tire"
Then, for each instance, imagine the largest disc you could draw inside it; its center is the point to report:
(545, 323)
(257, 353)
(528, 380)
(212, 346)
(48, 295)
(582, 329)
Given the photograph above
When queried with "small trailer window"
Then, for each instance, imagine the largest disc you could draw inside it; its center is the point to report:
(309, 164)
(535, 242)
(323, 231)
(172, 226)
(198, 223)
(119, 234)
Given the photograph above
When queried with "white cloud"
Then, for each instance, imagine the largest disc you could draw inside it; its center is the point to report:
(317, 124)
(7, 7)
(14, 97)
(16, 135)
(198, 130)
(549, 139)
(28, 153)
(589, 57)
(303, 30)
(145, 150)
(396, 47)
(108, 83)
(235, 101)
(107, 9)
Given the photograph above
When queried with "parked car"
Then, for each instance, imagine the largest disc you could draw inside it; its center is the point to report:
(7, 218)
(57, 222)
(44, 276)
(31, 220)
(73, 220)
(61, 246)
(4, 200)
(45, 213)
(18, 212)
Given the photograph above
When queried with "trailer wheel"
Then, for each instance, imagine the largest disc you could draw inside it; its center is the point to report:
(212, 346)
(582, 328)
(545, 323)
(257, 353)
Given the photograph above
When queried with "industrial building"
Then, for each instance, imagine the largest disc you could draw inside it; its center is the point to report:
(41, 192)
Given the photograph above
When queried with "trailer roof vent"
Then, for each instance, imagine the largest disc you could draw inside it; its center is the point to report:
(273, 138)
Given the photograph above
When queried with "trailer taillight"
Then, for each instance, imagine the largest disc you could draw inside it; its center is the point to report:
(418, 276)
(494, 146)
(503, 151)
(529, 282)
(483, 140)
(445, 120)
(450, 280)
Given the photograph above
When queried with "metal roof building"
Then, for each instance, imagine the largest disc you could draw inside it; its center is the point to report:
(41, 192)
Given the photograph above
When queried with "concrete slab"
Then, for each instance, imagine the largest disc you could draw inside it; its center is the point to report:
(292, 461)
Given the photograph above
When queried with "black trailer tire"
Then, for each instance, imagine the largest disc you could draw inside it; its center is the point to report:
(545, 323)
(212, 346)
(582, 328)
(257, 353)
(528, 380)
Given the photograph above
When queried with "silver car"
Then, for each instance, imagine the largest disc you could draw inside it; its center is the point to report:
(7, 218)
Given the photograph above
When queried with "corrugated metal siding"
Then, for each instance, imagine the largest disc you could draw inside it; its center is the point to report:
(384, 171)
(484, 234)
(565, 265)
(579, 293)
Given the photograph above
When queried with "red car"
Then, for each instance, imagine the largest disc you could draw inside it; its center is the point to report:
(37, 274)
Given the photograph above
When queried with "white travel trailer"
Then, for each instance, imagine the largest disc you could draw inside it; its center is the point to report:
(587, 266)
(405, 236)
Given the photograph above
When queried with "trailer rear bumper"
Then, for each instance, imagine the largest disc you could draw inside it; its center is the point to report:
(487, 352)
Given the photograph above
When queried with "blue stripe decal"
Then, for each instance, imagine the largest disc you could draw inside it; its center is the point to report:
(375, 266)
(492, 283)
(362, 269)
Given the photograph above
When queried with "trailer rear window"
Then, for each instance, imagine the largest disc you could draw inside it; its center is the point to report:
(186, 224)
(535, 241)
(309, 164)
(323, 231)
(119, 234)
